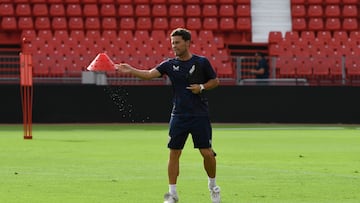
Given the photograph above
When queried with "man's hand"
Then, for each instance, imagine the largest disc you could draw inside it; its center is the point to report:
(123, 67)
(194, 88)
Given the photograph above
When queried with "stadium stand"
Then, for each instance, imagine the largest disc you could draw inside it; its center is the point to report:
(76, 29)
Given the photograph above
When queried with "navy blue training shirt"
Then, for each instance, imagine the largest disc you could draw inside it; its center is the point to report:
(181, 74)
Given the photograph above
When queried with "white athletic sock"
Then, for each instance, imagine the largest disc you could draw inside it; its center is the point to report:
(212, 183)
(172, 189)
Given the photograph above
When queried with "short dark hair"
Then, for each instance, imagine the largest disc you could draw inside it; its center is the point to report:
(184, 33)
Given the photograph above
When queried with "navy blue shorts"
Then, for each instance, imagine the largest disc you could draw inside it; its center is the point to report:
(198, 126)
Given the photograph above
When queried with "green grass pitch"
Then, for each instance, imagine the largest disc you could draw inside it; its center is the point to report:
(127, 163)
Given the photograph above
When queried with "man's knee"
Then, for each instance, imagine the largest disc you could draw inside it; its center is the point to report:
(207, 153)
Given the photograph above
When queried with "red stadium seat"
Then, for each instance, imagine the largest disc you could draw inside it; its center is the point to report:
(108, 10)
(7, 9)
(160, 23)
(315, 11)
(94, 35)
(340, 35)
(243, 24)
(144, 23)
(157, 39)
(40, 68)
(206, 35)
(308, 36)
(45, 35)
(21, 10)
(209, 10)
(158, 34)
(92, 23)
(159, 10)
(193, 23)
(275, 50)
(42, 23)
(291, 36)
(193, 10)
(324, 35)
(109, 23)
(275, 37)
(210, 23)
(176, 10)
(320, 67)
(28, 34)
(76, 23)
(316, 24)
(142, 35)
(8, 23)
(77, 34)
(298, 10)
(125, 10)
(25, 23)
(91, 10)
(61, 34)
(109, 34)
(125, 35)
(243, 10)
(219, 42)
(302, 67)
(59, 23)
(225, 69)
(73, 10)
(336, 67)
(57, 10)
(332, 11)
(176, 22)
(352, 65)
(226, 10)
(355, 36)
(332, 24)
(350, 24)
(286, 66)
(299, 24)
(350, 11)
(142, 10)
(127, 23)
(227, 24)
(57, 68)
(40, 10)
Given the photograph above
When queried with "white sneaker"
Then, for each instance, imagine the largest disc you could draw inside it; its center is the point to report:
(215, 194)
(170, 198)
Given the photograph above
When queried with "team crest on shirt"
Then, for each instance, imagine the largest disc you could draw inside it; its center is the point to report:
(176, 68)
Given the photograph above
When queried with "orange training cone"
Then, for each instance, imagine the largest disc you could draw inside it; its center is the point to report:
(102, 62)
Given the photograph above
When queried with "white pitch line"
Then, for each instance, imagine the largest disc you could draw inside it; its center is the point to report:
(285, 128)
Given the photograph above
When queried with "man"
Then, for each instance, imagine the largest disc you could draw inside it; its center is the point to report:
(262, 69)
(190, 76)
